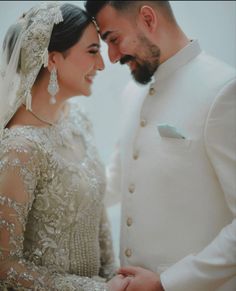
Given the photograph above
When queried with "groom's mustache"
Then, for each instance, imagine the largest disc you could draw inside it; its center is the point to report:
(126, 59)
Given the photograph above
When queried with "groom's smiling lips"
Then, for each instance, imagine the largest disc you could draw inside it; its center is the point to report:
(132, 65)
(126, 59)
(130, 61)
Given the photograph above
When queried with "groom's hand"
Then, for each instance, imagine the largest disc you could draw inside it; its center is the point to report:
(141, 279)
(118, 283)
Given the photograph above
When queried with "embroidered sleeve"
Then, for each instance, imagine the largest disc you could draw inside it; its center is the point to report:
(107, 255)
(19, 173)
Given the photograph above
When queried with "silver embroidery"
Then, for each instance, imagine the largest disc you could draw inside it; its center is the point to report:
(59, 237)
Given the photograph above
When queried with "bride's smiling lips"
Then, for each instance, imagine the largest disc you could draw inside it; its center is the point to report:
(89, 78)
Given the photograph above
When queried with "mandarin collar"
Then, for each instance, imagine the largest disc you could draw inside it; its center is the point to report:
(183, 56)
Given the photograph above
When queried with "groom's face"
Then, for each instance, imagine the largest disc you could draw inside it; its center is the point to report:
(128, 44)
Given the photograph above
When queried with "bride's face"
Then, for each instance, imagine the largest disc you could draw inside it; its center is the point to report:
(78, 68)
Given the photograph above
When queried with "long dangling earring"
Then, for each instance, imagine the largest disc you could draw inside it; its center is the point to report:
(53, 87)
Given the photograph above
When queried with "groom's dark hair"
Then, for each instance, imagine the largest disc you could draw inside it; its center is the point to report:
(94, 7)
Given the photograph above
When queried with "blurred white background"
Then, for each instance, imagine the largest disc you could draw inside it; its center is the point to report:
(213, 23)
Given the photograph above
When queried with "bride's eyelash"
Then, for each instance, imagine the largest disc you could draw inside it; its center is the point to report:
(93, 52)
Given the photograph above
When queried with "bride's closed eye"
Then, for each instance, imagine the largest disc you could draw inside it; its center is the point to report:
(93, 52)
(94, 49)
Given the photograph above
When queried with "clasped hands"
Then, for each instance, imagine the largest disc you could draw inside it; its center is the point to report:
(135, 279)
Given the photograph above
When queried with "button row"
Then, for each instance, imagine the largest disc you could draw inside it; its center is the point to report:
(136, 155)
(129, 221)
(128, 252)
(131, 188)
(152, 91)
(143, 122)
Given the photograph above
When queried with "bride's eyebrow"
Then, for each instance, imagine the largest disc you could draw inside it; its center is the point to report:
(94, 45)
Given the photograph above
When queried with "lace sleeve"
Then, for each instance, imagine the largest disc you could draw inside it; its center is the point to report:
(108, 268)
(19, 171)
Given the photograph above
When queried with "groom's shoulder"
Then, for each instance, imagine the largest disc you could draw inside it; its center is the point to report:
(220, 68)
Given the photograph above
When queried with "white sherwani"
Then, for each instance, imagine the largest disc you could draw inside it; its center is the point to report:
(179, 195)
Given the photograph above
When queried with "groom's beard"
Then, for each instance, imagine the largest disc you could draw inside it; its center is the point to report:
(145, 68)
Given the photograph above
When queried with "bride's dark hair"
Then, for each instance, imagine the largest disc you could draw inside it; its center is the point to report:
(67, 33)
(64, 35)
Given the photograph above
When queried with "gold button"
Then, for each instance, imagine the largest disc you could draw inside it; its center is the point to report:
(143, 122)
(152, 91)
(135, 155)
(128, 253)
(129, 221)
(131, 188)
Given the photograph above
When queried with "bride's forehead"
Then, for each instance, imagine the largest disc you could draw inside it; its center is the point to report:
(89, 34)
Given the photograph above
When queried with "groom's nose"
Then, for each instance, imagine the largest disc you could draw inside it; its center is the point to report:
(114, 54)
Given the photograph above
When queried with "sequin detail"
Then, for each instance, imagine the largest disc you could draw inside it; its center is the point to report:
(52, 218)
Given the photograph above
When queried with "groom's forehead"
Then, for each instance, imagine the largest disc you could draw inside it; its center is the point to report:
(106, 17)
(110, 20)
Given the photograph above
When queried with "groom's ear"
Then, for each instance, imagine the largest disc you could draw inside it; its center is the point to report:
(148, 18)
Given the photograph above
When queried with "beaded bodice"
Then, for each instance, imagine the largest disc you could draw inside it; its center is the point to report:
(55, 234)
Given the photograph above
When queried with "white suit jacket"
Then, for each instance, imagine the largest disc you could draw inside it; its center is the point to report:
(179, 195)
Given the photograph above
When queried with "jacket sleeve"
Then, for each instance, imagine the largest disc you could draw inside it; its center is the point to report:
(216, 263)
(19, 171)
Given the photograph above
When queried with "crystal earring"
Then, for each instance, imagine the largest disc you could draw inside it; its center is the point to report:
(53, 87)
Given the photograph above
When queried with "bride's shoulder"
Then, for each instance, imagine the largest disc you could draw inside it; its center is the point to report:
(19, 139)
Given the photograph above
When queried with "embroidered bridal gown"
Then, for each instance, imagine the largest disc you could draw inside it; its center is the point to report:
(54, 233)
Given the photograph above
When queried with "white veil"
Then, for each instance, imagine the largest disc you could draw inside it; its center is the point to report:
(24, 52)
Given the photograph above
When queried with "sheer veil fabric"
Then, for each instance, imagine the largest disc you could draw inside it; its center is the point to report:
(29, 44)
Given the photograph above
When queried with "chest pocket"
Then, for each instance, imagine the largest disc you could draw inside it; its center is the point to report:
(178, 144)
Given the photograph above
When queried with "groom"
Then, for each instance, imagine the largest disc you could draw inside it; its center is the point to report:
(175, 165)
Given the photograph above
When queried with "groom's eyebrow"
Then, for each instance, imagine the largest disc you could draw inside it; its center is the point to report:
(105, 35)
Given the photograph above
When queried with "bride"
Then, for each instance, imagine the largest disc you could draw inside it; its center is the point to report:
(54, 233)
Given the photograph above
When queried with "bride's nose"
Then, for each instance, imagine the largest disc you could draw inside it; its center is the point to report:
(100, 63)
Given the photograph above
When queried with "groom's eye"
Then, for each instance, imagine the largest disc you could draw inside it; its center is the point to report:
(113, 40)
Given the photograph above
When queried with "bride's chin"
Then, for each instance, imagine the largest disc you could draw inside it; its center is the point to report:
(87, 93)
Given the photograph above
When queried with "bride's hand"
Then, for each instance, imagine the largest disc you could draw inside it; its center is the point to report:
(118, 283)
